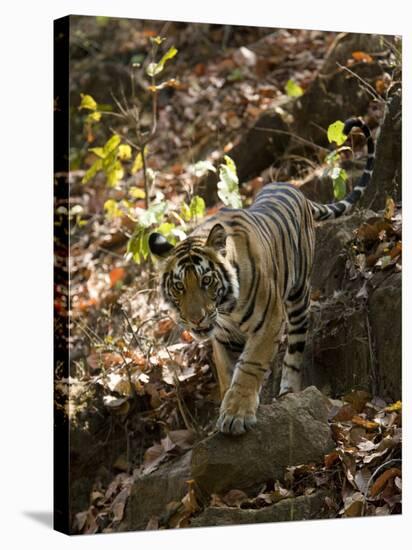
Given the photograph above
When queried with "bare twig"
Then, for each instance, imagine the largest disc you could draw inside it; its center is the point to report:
(370, 89)
(291, 134)
(131, 329)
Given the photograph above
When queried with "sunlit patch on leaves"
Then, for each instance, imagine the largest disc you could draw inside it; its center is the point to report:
(339, 178)
(395, 407)
(202, 167)
(125, 152)
(194, 210)
(87, 102)
(94, 117)
(109, 161)
(293, 89)
(228, 184)
(112, 209)
(152, 219)
(157, 40)
(138, 161)
(153, 69)
(335, 133)
(137, 192)
(337, 174)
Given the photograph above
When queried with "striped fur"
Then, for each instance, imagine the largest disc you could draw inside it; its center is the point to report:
(239, 276)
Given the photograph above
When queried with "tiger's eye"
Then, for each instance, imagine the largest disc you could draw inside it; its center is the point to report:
(179, 286)
(207, 279)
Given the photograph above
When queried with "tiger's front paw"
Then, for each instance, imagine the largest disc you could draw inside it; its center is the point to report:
(237, 411)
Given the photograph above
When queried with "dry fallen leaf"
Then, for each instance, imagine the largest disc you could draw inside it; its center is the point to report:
(394, 407)
(353, 505)
(367, 424)
(362, 56)
(383, 479)
(358, 399)
(331, 458)
(119, 504)
(116, 275)
(345, 413)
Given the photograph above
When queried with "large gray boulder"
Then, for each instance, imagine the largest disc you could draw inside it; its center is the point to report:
(293, 430)
(289, 509)
(331, 252)
(385, 317)
(151, 493)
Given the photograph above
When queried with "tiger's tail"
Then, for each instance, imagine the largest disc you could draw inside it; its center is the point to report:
(340, 208)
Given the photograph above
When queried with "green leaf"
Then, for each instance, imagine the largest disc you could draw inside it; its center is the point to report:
(179, 233)
(138, 244)
(124, 152)
(157, 40)
(111, 144)
(112, 209)
(171, 52)
(197, 207)
(154, 69)
(203, 166)
(92, 171)
(114, 173)
(228, 184)
(185, 212)
(339, 189)
(230, 199)
(153, 215)
(230, 164)
(87, 102)
(138, 161)
(137, 193)
(137, 164)
(339, 177)
(94, 117)
(165, 228)
(335, 133)
(98, 151)
(292, 89)
(235, 75)
(332, 158)
(76, 209)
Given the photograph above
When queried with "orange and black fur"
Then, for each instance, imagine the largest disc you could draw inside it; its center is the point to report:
(240, 275)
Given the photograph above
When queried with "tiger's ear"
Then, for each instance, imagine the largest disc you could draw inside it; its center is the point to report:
(217, 238)
(159, 245)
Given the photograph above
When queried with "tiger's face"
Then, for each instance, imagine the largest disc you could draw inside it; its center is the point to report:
(198, 282)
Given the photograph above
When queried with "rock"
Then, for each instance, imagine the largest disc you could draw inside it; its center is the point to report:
(387, 172)
(356, 343)
(385, 317)
(151, 493)
(289, 509)
(332, 237)
(293, 430)
(337, 356)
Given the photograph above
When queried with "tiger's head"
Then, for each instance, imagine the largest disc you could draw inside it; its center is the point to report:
(197, 281)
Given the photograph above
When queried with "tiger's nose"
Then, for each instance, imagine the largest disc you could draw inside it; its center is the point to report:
(199, 317)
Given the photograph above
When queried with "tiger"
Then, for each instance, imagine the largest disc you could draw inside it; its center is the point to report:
(244, 274)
